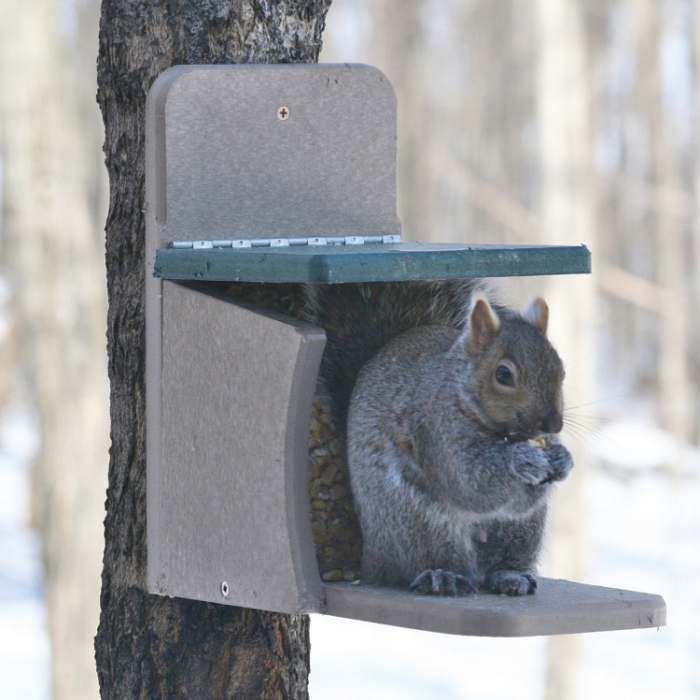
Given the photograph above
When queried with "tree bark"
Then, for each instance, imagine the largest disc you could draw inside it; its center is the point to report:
(148, 646)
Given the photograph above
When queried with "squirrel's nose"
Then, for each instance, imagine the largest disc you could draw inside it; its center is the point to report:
(552, 423)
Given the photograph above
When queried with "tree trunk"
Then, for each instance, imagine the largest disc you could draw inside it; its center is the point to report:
(55, 263)
(568, 216)
(675, 396)
(398, 50)
(148, 646)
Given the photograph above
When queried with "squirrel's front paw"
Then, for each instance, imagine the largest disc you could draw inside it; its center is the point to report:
(560, 461)
(530, 464)
(511, 583)
(441, 582)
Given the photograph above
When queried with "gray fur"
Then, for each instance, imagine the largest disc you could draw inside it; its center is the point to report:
(450, 495)
(360, 319)
(436, 489)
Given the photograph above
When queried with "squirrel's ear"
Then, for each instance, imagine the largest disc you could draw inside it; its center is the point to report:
(484, 324)
(538, 314)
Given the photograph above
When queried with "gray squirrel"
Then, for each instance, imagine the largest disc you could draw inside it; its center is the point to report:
(452, 405)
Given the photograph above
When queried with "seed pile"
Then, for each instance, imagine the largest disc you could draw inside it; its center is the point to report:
(334, 524)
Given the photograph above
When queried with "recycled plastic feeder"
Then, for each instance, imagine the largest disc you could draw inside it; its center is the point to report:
(279, 174)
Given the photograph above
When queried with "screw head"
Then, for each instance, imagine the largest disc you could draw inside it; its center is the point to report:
(225, 589)
(283, 113)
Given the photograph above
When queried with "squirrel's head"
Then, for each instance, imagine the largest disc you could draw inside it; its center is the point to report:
(516, 375)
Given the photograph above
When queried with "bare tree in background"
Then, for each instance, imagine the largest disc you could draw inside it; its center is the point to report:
(55, 262)
(670, 250)
(150, 646)
(481, 97)
(398, 49)
(568, 216)
(493, 115)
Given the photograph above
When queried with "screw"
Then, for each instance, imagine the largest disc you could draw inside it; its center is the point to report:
(283, 113)
(224, 589)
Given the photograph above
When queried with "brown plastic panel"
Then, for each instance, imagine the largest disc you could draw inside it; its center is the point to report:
(227, 431)
(229, 389)
(223, 165)
(558, 607)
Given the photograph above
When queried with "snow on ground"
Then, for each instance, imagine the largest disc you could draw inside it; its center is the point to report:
(643, 533)
(351, 660)
(24, 650)
(637, 445)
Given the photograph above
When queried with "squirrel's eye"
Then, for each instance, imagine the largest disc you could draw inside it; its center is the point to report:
(504, 376)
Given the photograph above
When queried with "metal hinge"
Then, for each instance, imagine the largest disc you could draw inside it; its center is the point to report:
(285, 242)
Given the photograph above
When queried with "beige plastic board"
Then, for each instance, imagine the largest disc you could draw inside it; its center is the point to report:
(229, 389)
(227, 428)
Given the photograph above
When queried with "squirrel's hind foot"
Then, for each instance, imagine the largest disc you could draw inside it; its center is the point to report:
(511, 583)
(442, 582)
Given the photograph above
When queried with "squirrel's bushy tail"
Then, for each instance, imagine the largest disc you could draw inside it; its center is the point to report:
(359, 319)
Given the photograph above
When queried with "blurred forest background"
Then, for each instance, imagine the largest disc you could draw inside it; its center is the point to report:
(544, 121)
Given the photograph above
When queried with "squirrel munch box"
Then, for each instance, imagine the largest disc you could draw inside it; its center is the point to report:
(276, 175)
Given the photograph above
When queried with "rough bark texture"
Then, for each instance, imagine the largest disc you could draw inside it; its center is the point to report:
(147, 646)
